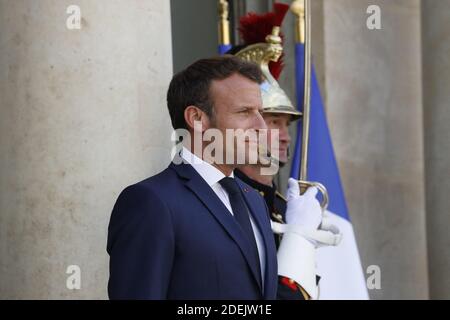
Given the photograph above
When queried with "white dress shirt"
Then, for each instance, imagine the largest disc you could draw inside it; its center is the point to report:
(212, 176)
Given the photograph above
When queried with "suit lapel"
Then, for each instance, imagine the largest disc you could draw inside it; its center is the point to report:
(260, 216)
(216, 207)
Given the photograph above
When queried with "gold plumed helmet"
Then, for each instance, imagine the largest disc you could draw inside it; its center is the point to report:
(274, 99)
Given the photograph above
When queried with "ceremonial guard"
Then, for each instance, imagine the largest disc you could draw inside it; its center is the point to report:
(263, 46)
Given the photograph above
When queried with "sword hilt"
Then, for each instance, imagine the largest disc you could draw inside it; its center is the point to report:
(306, 184)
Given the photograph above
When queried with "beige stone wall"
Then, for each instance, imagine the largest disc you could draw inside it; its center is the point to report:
(83, 114)
(374, 104)
(436, 106)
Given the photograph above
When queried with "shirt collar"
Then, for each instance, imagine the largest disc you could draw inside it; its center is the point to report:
(207, 171)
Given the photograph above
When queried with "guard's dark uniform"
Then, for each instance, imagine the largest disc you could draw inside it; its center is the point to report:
(287, 289)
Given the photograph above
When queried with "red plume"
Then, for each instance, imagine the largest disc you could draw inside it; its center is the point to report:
(280, 10)
(255, 27)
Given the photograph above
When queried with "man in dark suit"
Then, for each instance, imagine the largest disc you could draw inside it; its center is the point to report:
(194, 231)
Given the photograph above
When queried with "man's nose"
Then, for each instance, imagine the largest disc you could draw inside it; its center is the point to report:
(284, 134)
(259, 122)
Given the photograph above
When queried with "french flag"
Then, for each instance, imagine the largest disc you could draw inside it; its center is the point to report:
(339, 267)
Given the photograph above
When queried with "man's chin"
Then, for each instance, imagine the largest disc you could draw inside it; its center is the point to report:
(282, 159)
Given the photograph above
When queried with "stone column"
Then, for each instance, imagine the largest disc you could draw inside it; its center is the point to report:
(436, 109)
(83, 114)
(374, 105)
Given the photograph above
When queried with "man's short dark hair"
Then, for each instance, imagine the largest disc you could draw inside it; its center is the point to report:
(191, 86)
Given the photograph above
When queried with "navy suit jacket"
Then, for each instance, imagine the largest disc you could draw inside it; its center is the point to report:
(171, 237)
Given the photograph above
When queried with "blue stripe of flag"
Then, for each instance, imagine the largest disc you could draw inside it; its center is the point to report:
(223, 48)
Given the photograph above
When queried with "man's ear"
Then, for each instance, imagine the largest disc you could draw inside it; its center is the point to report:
(196, 119)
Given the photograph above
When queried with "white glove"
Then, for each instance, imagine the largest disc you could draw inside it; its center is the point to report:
(327, 224)
(303, 210)
(301, 237)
